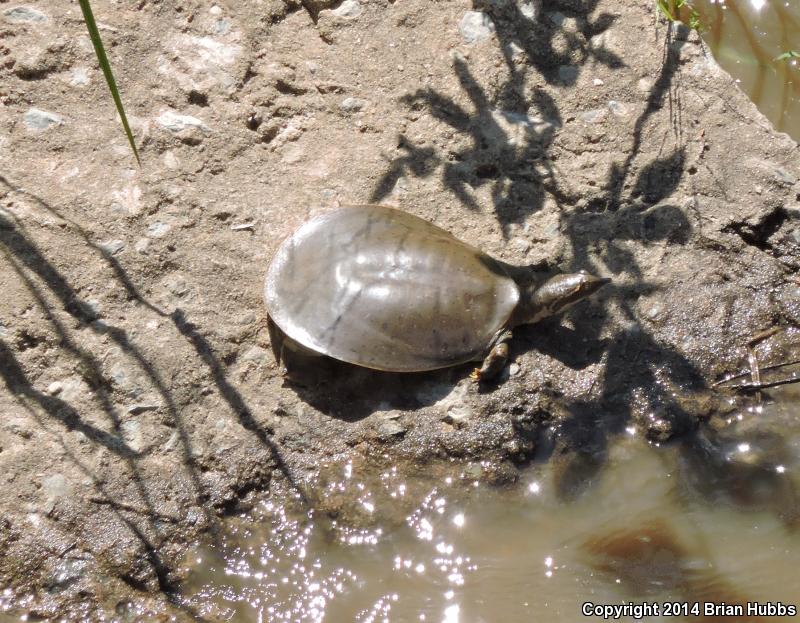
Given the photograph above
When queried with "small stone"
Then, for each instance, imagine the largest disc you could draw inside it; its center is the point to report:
(136, 409)
(20, 14)
(222, 27)
(390, 428)
(528, 9)
(474, 470)
(522, 244)
(174, 122)
(475, 26)
(142, 245)
(215, 10)
(349, 9)
(645, 85)
(37, 119)
(132, 433)
(785, 177)
(177, 285)
(254, 353)
(596, 115)
(654, 311)
(556, 17)
(353, 104)
(170, 160)
(597, 82)
(80, 77)
(618, 108)
(55, 486)
(55, 388)
(514, 369)
(112, 246)
(99, 326)
(568, 74)
(66, 573)
(157, 230)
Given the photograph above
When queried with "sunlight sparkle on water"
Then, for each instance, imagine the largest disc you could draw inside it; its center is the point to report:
(451, 614)
(758, 4)
(459, 520)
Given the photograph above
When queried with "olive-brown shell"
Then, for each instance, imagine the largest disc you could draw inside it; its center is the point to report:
(384, 289)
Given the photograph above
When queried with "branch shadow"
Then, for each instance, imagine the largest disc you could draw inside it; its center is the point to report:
(510, 142)
(30, 263)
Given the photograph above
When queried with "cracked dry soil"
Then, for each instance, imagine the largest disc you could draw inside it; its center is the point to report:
(139, 401)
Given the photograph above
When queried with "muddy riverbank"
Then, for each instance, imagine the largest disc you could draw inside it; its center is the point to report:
(140, 402)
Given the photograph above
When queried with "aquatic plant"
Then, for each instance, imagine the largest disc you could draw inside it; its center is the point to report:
(673, 9)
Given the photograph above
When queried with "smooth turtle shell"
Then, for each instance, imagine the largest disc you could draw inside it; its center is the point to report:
(384, 289)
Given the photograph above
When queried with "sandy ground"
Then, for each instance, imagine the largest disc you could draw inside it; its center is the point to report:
(140, 402)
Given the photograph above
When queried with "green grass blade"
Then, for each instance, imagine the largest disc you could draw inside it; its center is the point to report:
(99, 50)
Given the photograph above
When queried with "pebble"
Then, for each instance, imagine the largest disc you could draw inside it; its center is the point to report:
(513, 369)
(55, 388)
(596, 115)
(80, 77)
(156, 230)
(254, 353)
(222, 27)
(618, 108)
(522, 244)
(349, 9)
(37, 119)
(785, 177)
(136, 409)
(390, 428)
(568, 74)
(215, 10)
(132, 432)
(475, 26)
(171, 160)
(55, 486)
(112, 246)
(142, 245)
(174, 122)
(528, 9)
(20, 14)
(177, 285)
(353, 104)
(66, 573)
(597, 82)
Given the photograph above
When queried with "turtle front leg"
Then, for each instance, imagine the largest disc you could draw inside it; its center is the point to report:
(495, 361)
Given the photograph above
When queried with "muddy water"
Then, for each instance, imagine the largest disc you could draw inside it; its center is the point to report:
(715, 520)
(745, 37)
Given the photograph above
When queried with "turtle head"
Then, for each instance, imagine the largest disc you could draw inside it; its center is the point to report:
(554, 295)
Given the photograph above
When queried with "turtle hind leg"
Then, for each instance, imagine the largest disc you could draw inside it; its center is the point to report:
(295, 361)
(495, 361)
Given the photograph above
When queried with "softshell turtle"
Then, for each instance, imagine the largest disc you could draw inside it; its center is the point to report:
(380, 288)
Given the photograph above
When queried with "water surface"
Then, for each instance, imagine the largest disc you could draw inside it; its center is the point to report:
(711, 520)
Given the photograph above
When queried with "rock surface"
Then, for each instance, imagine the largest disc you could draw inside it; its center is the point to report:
(535, 136)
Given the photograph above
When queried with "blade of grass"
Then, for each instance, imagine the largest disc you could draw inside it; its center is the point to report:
(99, 50)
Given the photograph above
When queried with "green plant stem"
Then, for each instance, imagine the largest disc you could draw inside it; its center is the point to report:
(99, 50)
